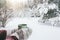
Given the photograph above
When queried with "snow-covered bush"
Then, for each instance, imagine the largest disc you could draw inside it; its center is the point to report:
(51, 13)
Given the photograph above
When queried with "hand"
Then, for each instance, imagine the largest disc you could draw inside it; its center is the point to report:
(9, 38)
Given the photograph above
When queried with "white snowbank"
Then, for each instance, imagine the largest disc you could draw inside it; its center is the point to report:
(40, 31)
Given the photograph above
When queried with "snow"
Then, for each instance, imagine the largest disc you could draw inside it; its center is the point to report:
(53, 6)
(39, 31)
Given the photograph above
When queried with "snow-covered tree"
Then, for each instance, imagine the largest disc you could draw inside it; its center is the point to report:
(51, 13)
(4, 15)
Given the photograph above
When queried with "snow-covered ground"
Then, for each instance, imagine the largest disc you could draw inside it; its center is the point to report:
(39, 30)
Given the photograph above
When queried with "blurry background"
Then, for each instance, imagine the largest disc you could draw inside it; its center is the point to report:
(13, 12)
(44, 9)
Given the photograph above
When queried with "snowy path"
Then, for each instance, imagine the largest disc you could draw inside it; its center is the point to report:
(40, 31)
